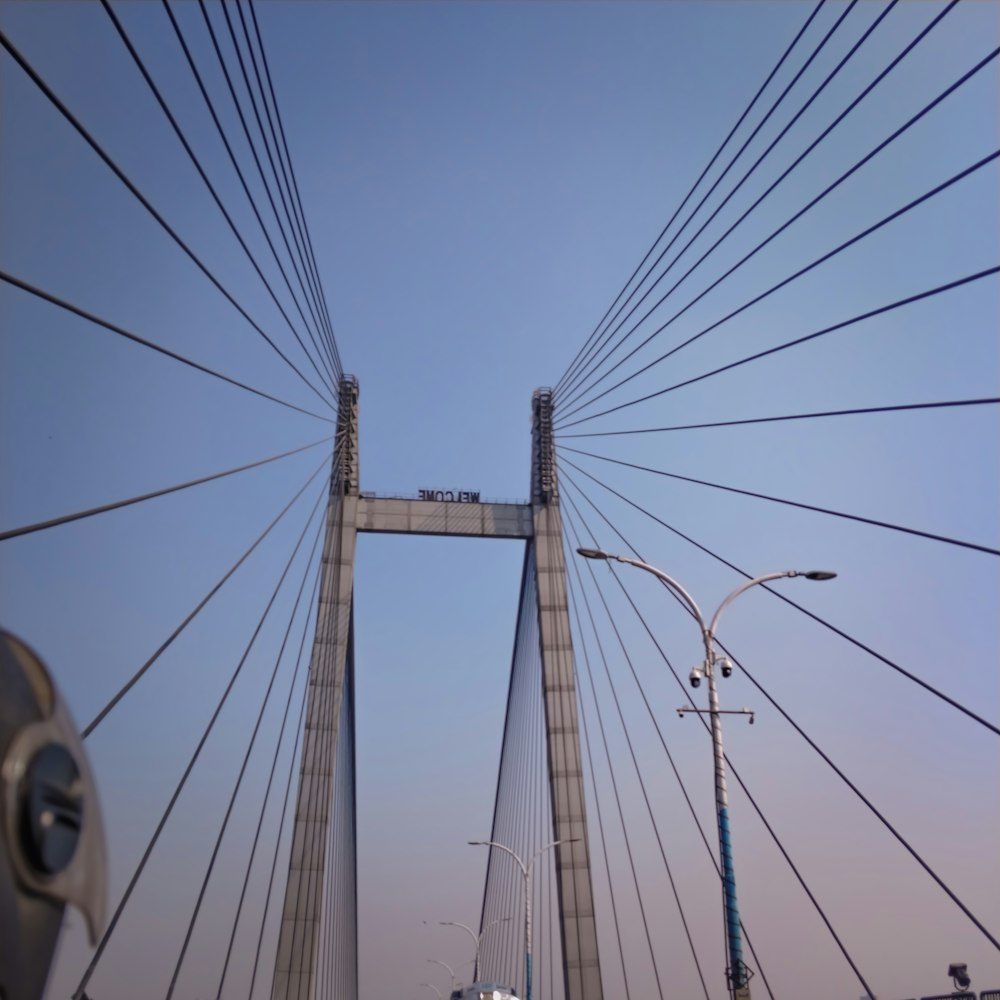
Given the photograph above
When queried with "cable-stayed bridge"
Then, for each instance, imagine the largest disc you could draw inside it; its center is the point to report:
(800, 373)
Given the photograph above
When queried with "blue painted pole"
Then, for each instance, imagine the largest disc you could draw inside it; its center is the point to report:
(734, 940)
(733, 933)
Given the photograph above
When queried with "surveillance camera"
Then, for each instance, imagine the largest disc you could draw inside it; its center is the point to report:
(695, 678)
(726, 666)
(960, 974)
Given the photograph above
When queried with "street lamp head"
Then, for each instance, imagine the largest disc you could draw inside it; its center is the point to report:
(593, 554)
(819, 574)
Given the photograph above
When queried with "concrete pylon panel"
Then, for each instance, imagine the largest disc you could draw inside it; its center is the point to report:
(298, 939)
(581, 965)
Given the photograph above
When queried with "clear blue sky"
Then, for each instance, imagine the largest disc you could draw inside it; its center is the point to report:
(480, 180)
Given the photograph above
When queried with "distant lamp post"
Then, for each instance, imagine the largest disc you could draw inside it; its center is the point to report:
(477, 938)
(737, 973)
(526, 870)
(450, 970)
(431, 986)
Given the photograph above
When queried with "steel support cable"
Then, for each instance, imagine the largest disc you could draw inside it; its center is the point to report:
(842, 325)
(638, 773)
(144, 201)
(508, 896)
(822, 621)
(597, 800)
(299, 730)
(915, 203)
(505, 949)
(885, 9)
(511, 898)
(28, 529)
(246, 760)
(583, 374)
(847, 781)
(290, 185)
(210, 105)
(267, 789)
(291, 171)
(800, 213)
(663, 743)
(503, 738)
(277, 170)
(78, 994)
(256, 158)
(649, 708)
(829, 189)
(857, 411)
(239, 172)
(885, 822)
(291, 209)
(659, 732)
(760, 246)
(263, 134)
(735, 773)
(327, 377)
(916, 532)
(136, 339)
(582, 354)
(162, 648)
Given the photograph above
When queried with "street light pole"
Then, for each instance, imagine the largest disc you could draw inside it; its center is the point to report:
(526, 870)
(451, 972)
(477, 938)
(737, 973)
(431, 986)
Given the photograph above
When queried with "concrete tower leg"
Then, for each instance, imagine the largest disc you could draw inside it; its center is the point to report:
(295, 965)
(576, 904)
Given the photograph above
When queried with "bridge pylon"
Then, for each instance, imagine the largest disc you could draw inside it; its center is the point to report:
(328, 719)
(304, 968)
(581, 965)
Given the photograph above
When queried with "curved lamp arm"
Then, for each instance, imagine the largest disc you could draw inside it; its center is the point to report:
(812, 574)
(658, 573)
(503, 847)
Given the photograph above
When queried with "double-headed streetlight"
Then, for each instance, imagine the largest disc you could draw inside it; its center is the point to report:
(737, 973)
(477, 938)
(526, 870)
